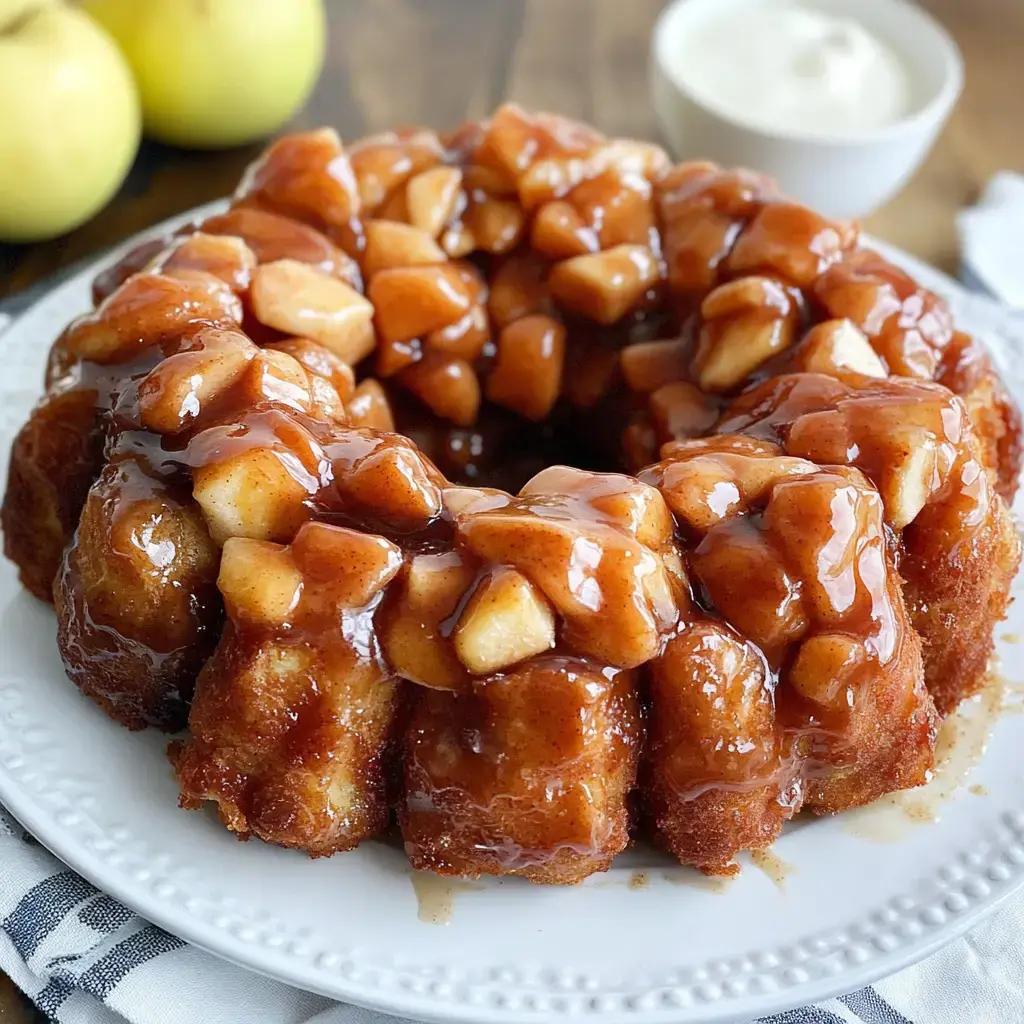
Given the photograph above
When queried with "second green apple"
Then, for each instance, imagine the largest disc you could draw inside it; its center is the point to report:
(215, 73)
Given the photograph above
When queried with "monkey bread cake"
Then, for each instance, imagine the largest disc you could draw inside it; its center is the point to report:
(522, 487)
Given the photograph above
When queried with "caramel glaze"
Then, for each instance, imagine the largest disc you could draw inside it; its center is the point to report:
(58, 453)
(795, 670)
(157, 291)
(139, 533)
(526, 773)
(533, 288)
(721, 229)
(312, 774)
(587, 545)
(914, 440)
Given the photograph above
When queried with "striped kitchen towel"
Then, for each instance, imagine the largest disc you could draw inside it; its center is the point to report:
(83, 958)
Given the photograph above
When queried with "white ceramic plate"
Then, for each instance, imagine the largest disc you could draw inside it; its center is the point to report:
(838, 903)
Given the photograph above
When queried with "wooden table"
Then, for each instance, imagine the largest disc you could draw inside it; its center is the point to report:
(438, 62)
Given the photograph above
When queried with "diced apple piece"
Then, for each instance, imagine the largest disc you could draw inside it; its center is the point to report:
(488, 179)
(414, 301)
(648, 365)
(258, 494)
(410, 624)
(507, 620)
(259, 581)
(680, 410)
(273, 237)
(838, 345)
(560, 232)
(465, 338)
(448, 386)
(527, 374)
(458, 500)
(299, 299)
(583, 569)
(746, 322)
(320, 361)
(382, 163)
(518, 288)
(390, 244)
(704, 484)
(277, 378)
(605, 286)
(458, 240)
(369, 407)
(792, 241)
(618, 500)
(496, 224)
(908, 485)
(343, 568)
(431, 196)
(224, 256)
(306, 175)
(175, 392)
(395, 356)
(631, 156)
(386, 477)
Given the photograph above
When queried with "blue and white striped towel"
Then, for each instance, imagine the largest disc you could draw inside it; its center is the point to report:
(83, 958)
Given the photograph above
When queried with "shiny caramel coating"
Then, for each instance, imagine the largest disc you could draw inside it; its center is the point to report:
(384, 163)
(915, 441)
(810, 692)
(137, 605)
(226, 257)
(126, 639)
(707, 799)
(292, 714)
(912, 330)
(526, 774)
(58, 452)
(587, 562)
(272, 237)
(146, 310)
(414, 624)
(54, 459)
(305, 176)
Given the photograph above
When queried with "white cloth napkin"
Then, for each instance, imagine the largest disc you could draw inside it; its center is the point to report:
(992, 240)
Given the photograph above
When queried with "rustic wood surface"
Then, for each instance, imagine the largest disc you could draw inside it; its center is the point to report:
(438, 62)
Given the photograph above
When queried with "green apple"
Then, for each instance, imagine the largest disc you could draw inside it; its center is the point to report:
(69, 119)
(217, 73)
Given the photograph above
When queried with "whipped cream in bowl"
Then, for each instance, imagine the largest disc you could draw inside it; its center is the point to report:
(839, 101)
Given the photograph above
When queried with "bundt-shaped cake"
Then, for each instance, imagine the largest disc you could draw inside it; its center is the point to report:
(302, 482)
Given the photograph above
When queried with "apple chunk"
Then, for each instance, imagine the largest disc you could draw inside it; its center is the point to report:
(298, 299)
(507, 620)
(411, 626)
(259, 581)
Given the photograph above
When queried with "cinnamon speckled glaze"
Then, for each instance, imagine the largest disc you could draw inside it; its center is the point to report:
(525, 488)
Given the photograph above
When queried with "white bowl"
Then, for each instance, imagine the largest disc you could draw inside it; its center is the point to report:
(838, 175)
